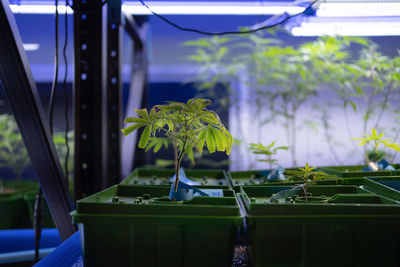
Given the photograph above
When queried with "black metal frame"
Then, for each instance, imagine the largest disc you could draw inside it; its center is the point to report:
(98, 104)
(21, 91)
(89, 123)
(114, 90)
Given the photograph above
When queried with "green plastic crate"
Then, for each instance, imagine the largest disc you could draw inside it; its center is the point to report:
(211, 178)
(14, 211)
(357, 229)
(156, 232)
(356, 171)
(385, 186)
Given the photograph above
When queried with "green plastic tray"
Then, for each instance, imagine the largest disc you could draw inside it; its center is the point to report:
(14, 211)
(358, 229)
(212, 178)
(258, 178)
(355, 171)
(117, 230)
(385, 186)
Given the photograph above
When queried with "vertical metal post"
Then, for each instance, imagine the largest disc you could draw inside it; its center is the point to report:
(88, 98)
(22, 94)
(137, 86)
(114, 90)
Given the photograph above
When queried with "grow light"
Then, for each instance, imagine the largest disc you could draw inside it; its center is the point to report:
(357, 26)
(173, 8)
(360, 9)
(39, 9)
(347, 29)
(212, 8)
(31, 47)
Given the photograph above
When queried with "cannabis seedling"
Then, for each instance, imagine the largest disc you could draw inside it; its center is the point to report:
(375, 140)
(189, 126)
(269, 151)
(308, 175)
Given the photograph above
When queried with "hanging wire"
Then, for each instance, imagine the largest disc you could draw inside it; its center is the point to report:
(66, 108)
(264, 27)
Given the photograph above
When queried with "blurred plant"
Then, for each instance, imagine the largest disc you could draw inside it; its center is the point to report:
(190, 126)
(269, 151)
(13, 153)
(216, 70)
(375, 140)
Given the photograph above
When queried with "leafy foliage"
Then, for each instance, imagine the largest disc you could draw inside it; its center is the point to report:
(13, 153)
(188, 126)
(269, 151)
(376, 140)
(308, 175)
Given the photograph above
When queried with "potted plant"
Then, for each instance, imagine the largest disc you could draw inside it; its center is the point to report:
(188, 126)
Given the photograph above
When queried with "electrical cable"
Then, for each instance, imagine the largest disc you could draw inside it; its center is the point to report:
(66, 108)
(55, 78)
(229, 32)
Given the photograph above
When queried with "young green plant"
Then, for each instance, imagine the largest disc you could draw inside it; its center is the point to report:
(308, 175)
(189, 126)
(269, 151)
(375, 140)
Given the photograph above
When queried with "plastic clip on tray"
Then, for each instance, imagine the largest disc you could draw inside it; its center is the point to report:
(384, 186)
(210, 178)
(139, 226)
(338, 226)
(356, 171)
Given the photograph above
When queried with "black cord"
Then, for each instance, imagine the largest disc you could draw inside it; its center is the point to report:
(55, 78)
(228, 32)
(66, 108)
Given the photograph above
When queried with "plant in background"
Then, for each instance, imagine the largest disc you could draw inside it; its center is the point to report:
(269, 151)
(189, 126)
(308, 175)
(13, 153)
(216, 72)
(375, 140)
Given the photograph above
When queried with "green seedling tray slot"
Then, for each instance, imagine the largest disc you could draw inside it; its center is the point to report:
(361, 230)
(143, 228)
(354, 171)
(210, 178)
(384, 186)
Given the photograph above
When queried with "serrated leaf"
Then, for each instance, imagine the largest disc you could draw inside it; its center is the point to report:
(210, 141)
(134, 120)
(126, 131)
(145, 137)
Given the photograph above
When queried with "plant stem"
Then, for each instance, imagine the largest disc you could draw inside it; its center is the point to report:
(178, 164)
(385, 101)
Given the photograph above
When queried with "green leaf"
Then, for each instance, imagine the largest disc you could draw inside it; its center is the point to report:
(201, 140)
(210, 141)
(144, 139)
(143, 113)
(353, 105)
(126, 131)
